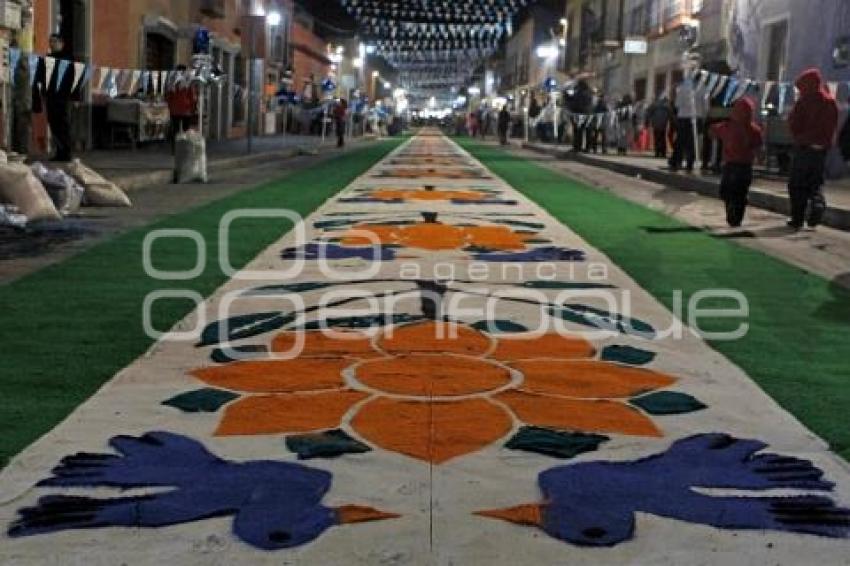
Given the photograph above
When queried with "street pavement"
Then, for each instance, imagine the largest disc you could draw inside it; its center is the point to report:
(824, 251)
(434, 426)
(769, 191)
(154, 163)
(148, 174)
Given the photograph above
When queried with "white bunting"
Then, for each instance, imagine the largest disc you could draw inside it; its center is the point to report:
(49, 66)
(79, 71)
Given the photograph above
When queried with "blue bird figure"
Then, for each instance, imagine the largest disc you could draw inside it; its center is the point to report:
(274, 505)
(594, 503)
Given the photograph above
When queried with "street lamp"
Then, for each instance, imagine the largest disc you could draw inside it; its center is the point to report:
(547, 51)
(260, 17)
(274, 19)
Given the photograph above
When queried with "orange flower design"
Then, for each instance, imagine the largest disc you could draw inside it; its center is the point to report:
(435, 236)
(390, 194)
(433, 391)
(426, 173)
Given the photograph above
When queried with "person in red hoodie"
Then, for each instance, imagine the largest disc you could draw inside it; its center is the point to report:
(813, 122)
(742, 139)
(182, 102)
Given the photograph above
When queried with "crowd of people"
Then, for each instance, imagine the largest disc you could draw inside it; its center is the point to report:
(730, 138)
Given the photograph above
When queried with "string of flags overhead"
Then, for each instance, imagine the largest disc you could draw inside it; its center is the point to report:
(454, 34)
(728, 89)
(49, 72)
(725, 89)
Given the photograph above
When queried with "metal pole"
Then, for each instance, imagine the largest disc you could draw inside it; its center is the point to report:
(555, 117)
(250, 133)
(324, 121)
(525, 112)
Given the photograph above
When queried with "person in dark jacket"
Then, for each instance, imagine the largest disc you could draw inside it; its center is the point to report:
(742, 138)
(340, 112)
(58, 93)
(581, 103)
(844, 139)
(597, 131)
(533, 113)
(504, 124)
(813, 122)
(658, 118)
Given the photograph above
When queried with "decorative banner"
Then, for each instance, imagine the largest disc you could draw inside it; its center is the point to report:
(711, 84)
(14, 58)
(731, 89)
(783, 95)
(63, 68)
(80, 72)
(50, 66)
(103, 81)
(768, 86)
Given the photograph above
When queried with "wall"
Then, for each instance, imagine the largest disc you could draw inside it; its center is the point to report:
(309, 56)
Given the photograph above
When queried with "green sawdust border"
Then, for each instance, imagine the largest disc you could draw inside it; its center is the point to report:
(67, 329)
(798, 345)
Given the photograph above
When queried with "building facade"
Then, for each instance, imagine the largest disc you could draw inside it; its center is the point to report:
(763, 40)
(157, 34)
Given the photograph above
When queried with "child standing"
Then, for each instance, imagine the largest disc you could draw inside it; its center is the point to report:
(742, 138)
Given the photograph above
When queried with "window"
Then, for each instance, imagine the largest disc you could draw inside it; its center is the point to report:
(239, 89)
(672, 9)
(777, 51)
(653, 15)
(660, 84)
(159, 51)
(640, 89)
(637, 20)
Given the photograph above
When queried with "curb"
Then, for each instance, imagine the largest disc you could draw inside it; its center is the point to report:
(133, 182)
(835, 217)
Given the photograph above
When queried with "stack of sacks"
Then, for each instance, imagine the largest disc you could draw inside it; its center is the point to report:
(20, 187)
(98, 191)
(190, 158)
(67, 195)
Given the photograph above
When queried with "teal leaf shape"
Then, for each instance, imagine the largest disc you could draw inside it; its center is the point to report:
(239, 353)
(328, 444)
(499, 326)
(243, 326)
(555, 443)
(205, 400)
(668, 403)
(627, 355)
(603, 320)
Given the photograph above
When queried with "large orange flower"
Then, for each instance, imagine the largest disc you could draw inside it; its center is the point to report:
(436, 236)
(433, 391)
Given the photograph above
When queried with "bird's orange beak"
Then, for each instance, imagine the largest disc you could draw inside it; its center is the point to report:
(348, 514)
(528, 515)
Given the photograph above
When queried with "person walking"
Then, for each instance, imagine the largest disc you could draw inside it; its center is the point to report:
(581, 104)
(182, 102)
(658, 118)
(340, 112)
(813, 122)
(599, 126)
(686, 114)
(626, 124)
(742, 138)
(504, 123)
(533, 113)
(58, 93)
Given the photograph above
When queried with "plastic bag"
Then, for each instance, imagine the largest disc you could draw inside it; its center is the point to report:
(98, 191)
(190, 158)
(66, 193)
(10, 216)
(18, 186)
